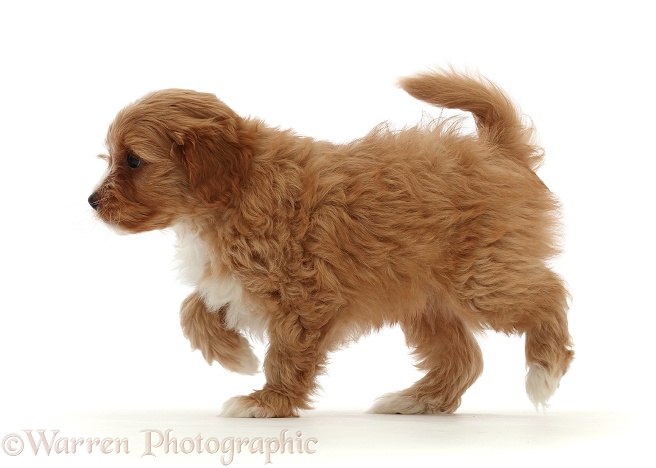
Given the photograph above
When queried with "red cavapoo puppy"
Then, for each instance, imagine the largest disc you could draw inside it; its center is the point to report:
(312, 244)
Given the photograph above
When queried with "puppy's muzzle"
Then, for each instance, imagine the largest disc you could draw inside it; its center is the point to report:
(94, 200)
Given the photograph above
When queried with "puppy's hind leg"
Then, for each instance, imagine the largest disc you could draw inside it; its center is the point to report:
(548, 343)
(451, 357)
(527, 299)
(207, 332)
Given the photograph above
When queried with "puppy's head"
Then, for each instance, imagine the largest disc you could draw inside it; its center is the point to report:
(172, 154)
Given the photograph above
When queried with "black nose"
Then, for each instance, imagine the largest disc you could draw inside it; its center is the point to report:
(94, 200)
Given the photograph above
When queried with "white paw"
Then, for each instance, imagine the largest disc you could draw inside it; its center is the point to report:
(242, 407)
(395, 403)
(540, 385)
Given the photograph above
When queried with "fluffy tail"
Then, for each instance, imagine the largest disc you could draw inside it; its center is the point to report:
(497, 119)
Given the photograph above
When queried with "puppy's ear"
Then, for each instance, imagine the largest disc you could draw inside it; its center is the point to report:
(215, 158)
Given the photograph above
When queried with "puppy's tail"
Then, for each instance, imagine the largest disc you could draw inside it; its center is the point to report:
(497, 119)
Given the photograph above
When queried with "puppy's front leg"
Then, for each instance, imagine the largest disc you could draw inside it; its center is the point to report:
(207, 332)
(294, 359)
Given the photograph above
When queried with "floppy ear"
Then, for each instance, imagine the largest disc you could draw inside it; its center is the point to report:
(216, 160)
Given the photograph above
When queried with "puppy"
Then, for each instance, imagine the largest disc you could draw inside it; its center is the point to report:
(312, 244)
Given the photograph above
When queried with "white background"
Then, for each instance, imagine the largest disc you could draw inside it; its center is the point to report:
(89, 337)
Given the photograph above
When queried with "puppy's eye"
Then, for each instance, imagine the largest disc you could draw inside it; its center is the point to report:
(132, 161)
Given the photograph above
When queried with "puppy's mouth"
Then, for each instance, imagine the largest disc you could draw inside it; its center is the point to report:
(126, 218)
(108, 210)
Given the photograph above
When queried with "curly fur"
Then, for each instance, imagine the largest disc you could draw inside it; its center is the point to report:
(316, 243)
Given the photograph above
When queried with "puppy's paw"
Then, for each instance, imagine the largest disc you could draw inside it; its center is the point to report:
(396, 403)
(400, 403)
(540, 386)
(207, 332)
(243, 407)
(249, 364)
(238, 359)
(243, 362)
(260, 404)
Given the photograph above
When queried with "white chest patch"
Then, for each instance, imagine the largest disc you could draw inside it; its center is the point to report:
(217, 286)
